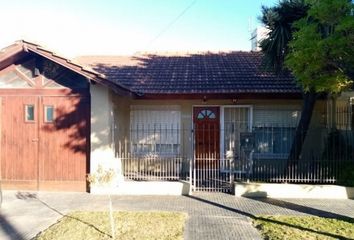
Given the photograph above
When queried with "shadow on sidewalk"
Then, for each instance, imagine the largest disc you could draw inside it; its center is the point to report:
(27, 196)
(9, 229)
(254, 217)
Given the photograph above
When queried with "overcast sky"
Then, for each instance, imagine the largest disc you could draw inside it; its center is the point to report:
(117, 27)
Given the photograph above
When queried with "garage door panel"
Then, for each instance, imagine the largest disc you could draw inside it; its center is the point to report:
(44, 147)
(63, 146)
(19, 140)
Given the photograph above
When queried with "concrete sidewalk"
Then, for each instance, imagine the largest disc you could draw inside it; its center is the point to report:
(211, 215)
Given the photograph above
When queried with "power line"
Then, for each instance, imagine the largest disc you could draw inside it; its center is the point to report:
(169, 25)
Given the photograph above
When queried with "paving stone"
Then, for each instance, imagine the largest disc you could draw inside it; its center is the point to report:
(210, 215)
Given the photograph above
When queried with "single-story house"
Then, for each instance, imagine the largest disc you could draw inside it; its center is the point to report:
(207, 119)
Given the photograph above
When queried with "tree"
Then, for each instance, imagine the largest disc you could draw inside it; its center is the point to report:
(279, 20)
(314, 38)
(320, 56)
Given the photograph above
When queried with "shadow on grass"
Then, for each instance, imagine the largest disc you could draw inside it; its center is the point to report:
(25, 196)
(254, 217)
(303, 209)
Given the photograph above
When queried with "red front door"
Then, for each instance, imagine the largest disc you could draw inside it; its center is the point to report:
(207, 136)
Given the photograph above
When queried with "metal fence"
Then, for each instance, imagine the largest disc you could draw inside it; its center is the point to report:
(327, 156)
(247, 153)
(153, 152)
(150, 167)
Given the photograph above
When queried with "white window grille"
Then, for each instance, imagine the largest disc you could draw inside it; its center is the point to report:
(155, 130)
(274, 131)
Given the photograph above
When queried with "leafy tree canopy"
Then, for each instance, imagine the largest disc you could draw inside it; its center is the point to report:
(321, 52)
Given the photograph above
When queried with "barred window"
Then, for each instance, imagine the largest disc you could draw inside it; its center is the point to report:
(155, 130)
(274, 131)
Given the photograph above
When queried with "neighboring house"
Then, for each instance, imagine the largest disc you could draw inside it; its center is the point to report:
(208, 118)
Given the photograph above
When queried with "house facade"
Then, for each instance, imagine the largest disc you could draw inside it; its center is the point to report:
(203, 120)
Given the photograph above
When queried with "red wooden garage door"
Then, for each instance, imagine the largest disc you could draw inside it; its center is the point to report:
(44, 126)
(44, 142)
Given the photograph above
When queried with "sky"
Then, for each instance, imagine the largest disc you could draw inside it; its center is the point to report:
(123, 27)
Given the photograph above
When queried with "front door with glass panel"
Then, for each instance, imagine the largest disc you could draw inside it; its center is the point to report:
(206, 172)
(207, 136)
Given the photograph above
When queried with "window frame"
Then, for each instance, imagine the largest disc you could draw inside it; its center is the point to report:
(222, 124)
(273, 132)
(14, 68)
(153, 145)
(206, 114)
(26, 107)
(287, 125)
(45, 117)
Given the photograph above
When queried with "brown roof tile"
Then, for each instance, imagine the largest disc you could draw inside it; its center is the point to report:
(232, 72)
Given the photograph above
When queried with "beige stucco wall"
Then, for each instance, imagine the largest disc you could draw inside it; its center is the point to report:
(102, 143)
(108, 111)
(317, 134)
(345, 96)
(342, 106)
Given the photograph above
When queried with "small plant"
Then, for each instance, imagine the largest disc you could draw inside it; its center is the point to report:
(104, 177)
(101, 176)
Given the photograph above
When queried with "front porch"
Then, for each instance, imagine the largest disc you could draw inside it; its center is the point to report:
(218, 172)
(182, 141)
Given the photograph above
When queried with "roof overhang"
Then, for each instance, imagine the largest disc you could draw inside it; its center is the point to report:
(18, 50)
(215, 96)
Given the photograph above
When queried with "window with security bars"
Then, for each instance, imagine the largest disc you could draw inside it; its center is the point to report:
(236, 121)
(274, 131)
(155, 130)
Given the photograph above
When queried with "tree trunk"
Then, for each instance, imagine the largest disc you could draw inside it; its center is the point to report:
(302, 128)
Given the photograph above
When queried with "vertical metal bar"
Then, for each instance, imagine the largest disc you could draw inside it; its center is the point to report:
(194, 166)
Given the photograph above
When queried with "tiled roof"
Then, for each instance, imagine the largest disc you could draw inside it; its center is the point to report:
(230, 72)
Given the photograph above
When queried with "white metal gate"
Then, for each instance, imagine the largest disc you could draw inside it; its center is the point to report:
(215, 171)
(212, 175)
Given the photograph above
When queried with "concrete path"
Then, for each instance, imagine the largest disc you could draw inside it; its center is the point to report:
(211, 215)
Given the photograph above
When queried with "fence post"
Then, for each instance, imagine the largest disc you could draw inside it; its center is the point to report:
(231, 172)
(192, 166)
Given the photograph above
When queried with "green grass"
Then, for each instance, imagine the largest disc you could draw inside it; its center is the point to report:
(304, 227)
(128, 225)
